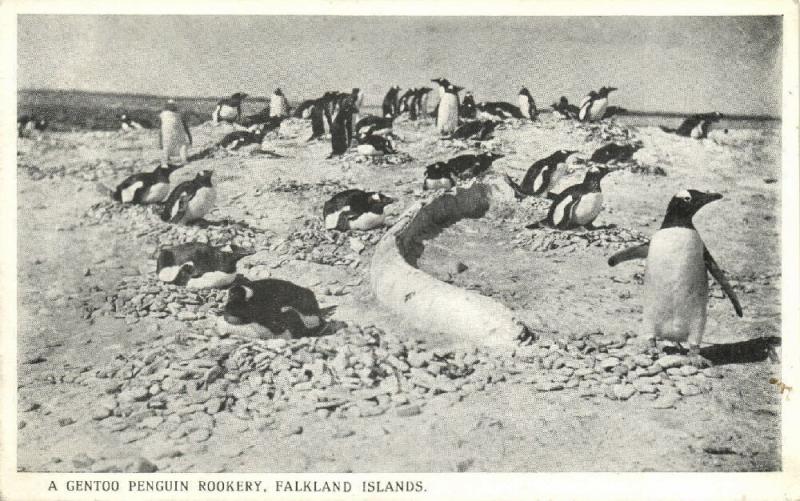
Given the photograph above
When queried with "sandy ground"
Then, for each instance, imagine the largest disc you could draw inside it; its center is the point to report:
(506, 427)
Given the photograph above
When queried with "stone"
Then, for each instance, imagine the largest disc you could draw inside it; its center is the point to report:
(343, 433)
(666, 401)
(624, 391)
(609, 363)
(408, 410)
(712, 372)
(101, 413)
(140, 465)
(199, 435)
(688, 390)
(151, 422)
(292, 430)
(669, 361)
(82, 461)
(549, 386)
(689, 370)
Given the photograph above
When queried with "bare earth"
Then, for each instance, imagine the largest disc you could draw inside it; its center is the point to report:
(68, 259)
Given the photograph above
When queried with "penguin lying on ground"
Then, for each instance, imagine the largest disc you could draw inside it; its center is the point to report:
(613, 152)
(500, 109)
(478, 130)
(696, 126)
(472, 165)
(190, 200)
(527, 106)
(562, 109)
(593, 106)
(468, 109)
(128, 123)
(267, 308)
(542, 176)
(229, 109)
(439, 176)
(391, 105)
(676, 282)
(355, 210)
(579, 205)
(26, 124)
(379, 125)
(370, 144)
(253, 135)
(198, 265)
(145, 187)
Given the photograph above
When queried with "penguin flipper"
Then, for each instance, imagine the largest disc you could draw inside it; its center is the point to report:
(177, 210)
(719, 276)
(638, 252)
(551, 195)
(514, 186)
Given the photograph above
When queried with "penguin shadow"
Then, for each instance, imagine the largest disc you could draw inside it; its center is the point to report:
(743, 352)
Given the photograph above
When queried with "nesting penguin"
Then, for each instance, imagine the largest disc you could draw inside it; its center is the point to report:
(229, 109)
(127, 123)
(593, 106)
(26, 124)
(527, 106)
(174, 137)
(439, 176)
(562, 109)
(198, 265)
(542, 176)
(696, 126)
(370, 144)
(145, 187)
(472, 165)
(378, 125)
(190, 200)
(447, 116)
(613, 152)
(355, 210)
(500, 109)
(579, 205)
(479, 130)
(278, 106)
(676, 280)
(269, 308)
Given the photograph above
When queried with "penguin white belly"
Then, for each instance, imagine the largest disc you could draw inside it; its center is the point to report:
(368, 150)
(277, 106)
(128, 193)
(598, 109)
(367, 221)
(125, 126)
(307, 112)
(697, 132)
(252, 330)
(556, 176)
(225, 112)
(444, 183)
(676, 286)
(447, 119)
(588, 208)
(157, 193)
(524, 106)
(558, 115)
(137, 125)
(169, 273)
(559, 214)
(201, 204)
(539, 181)
(173, 135)
(211, 280)
(584, 114)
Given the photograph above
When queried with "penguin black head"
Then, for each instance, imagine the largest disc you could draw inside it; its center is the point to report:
(204, 177)
(379, 200)
(605, 91)
(278, 92)
(238, 96)
(684, 205)
(524, 91)
(171, 106)
(592, 94)
(236, 307)
(593, 177)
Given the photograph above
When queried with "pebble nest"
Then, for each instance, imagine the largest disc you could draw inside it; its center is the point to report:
(144, 222)
(329, 247)
(180, 384)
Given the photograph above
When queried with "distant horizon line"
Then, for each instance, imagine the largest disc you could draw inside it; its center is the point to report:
(666, 114)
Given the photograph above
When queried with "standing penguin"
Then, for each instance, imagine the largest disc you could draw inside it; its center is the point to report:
(358, 101)
(468, 108)
(278, 106)
(578, 205)
(542, 176)
(145, 187)
(355, 210)
(422, 101)
(341, 120)
(527, 106)
(390, 102)
(676, 282)
(190, 200)
(593, 106)
(404, 101)
(229, 109)
(447, 117)
(174, 138)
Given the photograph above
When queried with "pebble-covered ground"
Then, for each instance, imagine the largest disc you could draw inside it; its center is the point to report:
(119, 372)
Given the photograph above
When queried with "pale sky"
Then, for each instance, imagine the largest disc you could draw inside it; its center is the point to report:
(678, 64)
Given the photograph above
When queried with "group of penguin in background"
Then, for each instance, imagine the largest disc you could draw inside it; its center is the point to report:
(677, 260)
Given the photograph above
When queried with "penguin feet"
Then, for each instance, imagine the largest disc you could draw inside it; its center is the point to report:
(696, 359)
(526, 336)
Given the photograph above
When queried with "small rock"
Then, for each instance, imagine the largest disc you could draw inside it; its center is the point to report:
(82, 461)
(29, 406)
(712, 372)
(688, 390)
(141, 465)
(669, 361)
(66, 421)
(293, 430)
(609, 363)
(689, 370)
(460, 267)
(624, 392)
(343, 433)
(408, 410)
(199, 435)
(101, 413)
(666, 401)
(549, 386)
(717, 449)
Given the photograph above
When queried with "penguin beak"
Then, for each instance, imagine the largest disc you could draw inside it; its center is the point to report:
(707, 198)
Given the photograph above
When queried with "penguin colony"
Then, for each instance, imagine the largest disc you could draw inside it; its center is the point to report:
(678, 261)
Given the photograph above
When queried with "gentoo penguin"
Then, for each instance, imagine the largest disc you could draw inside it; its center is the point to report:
(237, 139)
(174, 138)
(198, 265)
(527, 106)
(303, 110)
(472, 165)
(403, 102)
(378, 125)
(578, 205)
(370, 144)
(229, 109)
(422, 101)
(593, 106)
(257, 118)
(190, 200)
(358, 102)
(278, 106)
(675, 279)
(542, 176)
(26, 124)
(145, 187)
(613, 152)
(696, 126)
(562, 109)
(355, 210)
(447, 117)
(127, 123)
(267, 308)
(500, 109)
(341, 120)
(390, 102)
(468, 108)
(439, 176)
(318, 115)
(479, 130)
(442, 83)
